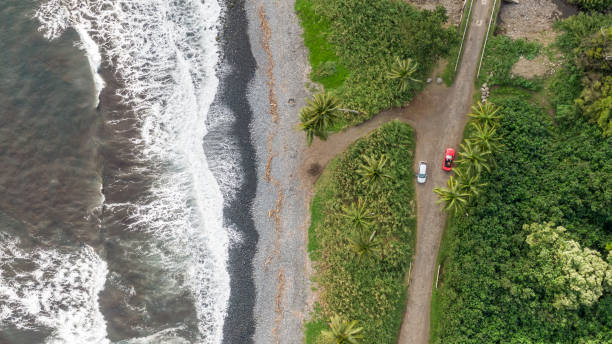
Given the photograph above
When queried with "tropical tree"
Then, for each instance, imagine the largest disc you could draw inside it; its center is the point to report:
(472, 159)
(403, 70)
(485, 113)
(321, 113)
(485, 137)
(358, 215)
(366, 247)
(372, 170)
(343, 331)
(453, 196)
(469, 183)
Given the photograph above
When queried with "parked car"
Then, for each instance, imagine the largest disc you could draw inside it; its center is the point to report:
(447, 161)
(422, 172)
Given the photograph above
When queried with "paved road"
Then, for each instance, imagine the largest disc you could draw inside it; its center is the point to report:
(438, 115)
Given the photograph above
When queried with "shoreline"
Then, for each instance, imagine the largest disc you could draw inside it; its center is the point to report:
(280, 209)
(237, 65)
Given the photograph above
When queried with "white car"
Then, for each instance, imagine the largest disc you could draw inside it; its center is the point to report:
(422, 172)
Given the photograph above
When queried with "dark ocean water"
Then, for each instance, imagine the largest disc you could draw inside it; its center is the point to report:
(120, 202)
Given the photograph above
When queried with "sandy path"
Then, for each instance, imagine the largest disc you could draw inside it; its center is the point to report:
(438, 115)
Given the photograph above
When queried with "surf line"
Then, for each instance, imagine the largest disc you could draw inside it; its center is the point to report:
(274, 213)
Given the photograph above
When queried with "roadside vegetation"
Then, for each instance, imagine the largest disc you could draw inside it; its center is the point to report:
(527, 258)
(361, 239)
(372, 55)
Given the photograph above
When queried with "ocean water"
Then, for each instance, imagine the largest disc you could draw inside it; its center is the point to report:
(111, 211)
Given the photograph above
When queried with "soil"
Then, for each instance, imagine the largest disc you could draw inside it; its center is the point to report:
(539, 66)
(438, 115)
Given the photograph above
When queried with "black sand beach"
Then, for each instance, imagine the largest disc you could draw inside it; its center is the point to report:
(239, 325)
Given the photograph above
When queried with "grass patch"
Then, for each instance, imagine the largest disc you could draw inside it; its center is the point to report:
(501, 54)
(365, 37)
(326, 67)
(369, 291)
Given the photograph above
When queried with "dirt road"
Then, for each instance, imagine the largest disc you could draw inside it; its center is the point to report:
(438, 115)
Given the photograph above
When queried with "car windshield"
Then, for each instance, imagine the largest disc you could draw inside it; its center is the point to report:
(422, 175)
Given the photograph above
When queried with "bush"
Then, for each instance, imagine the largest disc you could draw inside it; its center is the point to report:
(369, 291)
(365, 37)
(548, 173)
(597, 5)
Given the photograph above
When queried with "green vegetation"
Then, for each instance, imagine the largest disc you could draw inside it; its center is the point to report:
(530, 262)
(501, 54)
(597, 5)
(364, 235)
(343, 331)
(366, 38)
(319, 116)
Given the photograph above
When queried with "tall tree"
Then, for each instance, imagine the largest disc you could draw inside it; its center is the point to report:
(366, 247)
(343, 331)
(372, 170)
(453, 196)
(403, 70)
(358, 215)
(485, 113)
(469, 183)
(321, 114)
(472, 159)
(485, 137)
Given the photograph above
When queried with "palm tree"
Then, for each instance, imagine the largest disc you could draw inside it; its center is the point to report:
(402, 70)
(485, 114)
(485, 137)
(469, 183)
(473, 159)
(365, 247)
(321, 113)
(372, 170)
(454, 197)
(343, 332)
(357, 214)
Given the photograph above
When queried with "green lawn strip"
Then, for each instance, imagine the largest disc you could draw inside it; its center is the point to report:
(454, 55)
(365, 37)
(326, 69)
(371, 292)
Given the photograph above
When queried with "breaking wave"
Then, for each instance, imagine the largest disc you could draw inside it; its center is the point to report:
(163, 54)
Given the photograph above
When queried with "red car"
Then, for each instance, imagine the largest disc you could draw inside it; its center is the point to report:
(447, 161)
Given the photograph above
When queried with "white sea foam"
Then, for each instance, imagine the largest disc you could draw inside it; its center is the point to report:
(164, 53)
(53, 288)
(93, 56)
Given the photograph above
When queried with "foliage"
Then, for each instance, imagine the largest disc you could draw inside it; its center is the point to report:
(326, 67)
(561, 267)
(370, 291)
(373, 171)
(402, 71)
(366, 247)
(453, 196)
(501, 54)
(499, 289)
(594, 53)
(484, 114)
(343, 331)
(597, 5)
(358, 214)
(596, 103)
(364, 37)
(319, 116)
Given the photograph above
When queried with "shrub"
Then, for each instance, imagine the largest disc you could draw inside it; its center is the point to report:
(371, 290)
